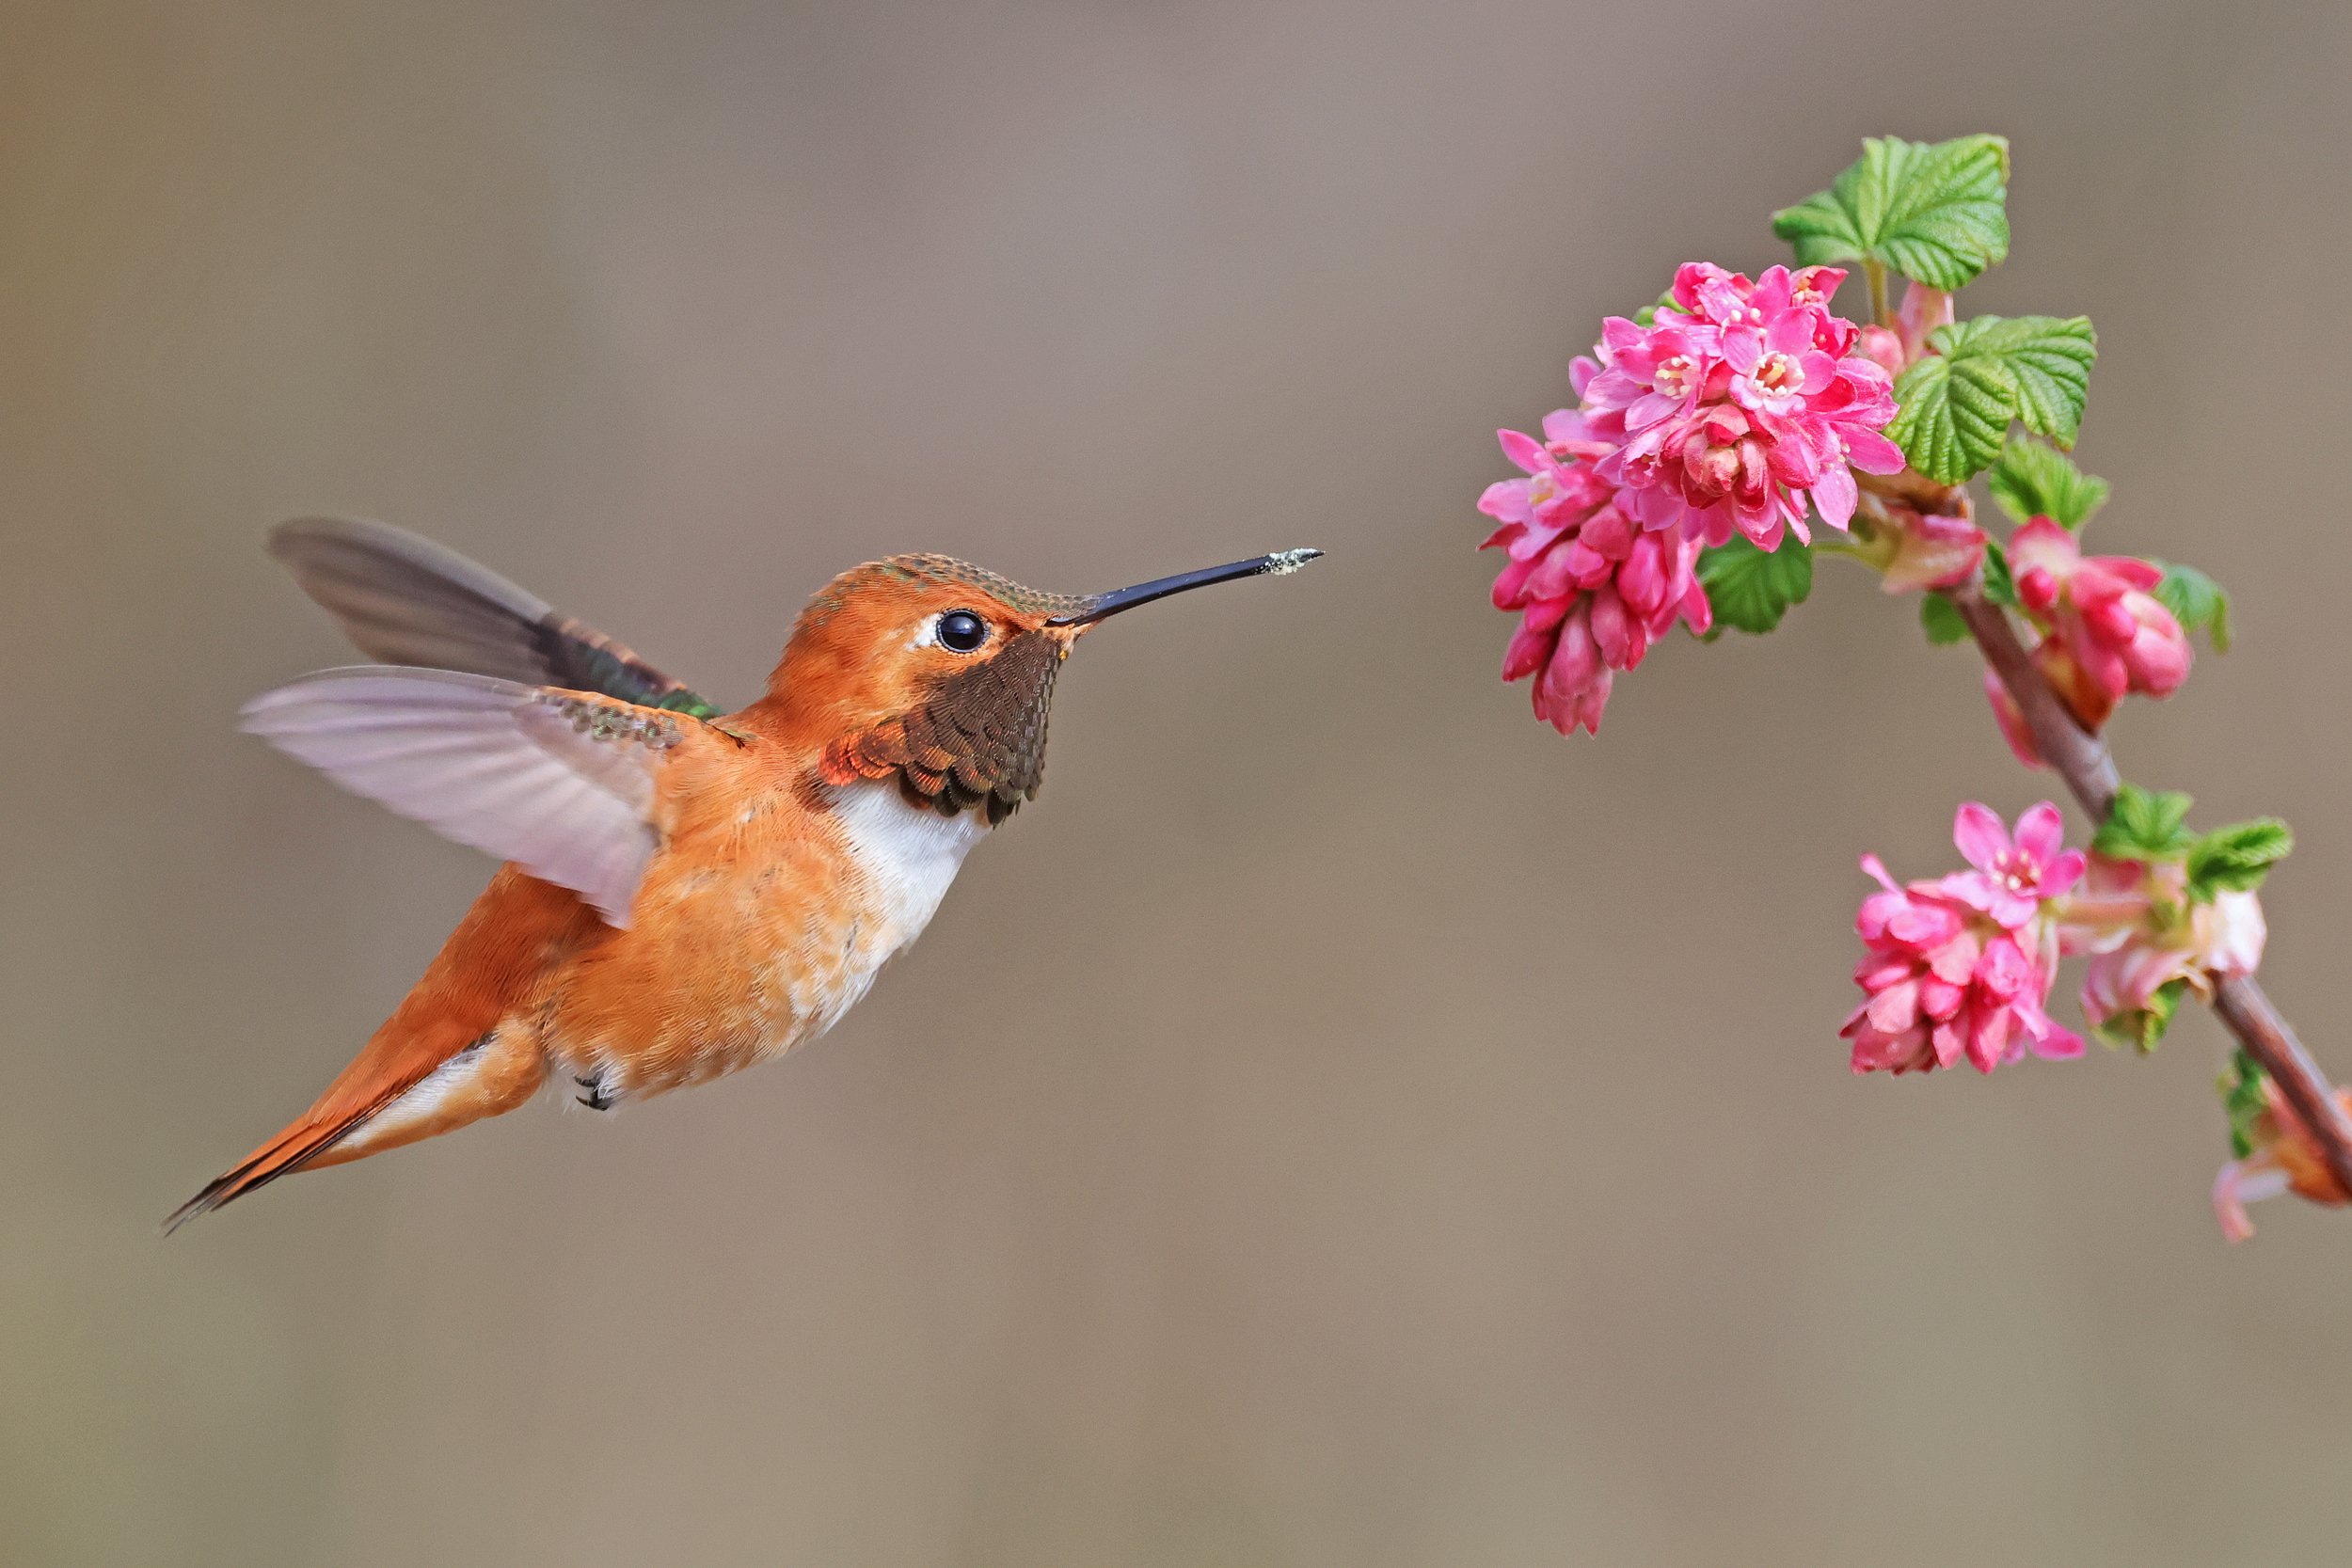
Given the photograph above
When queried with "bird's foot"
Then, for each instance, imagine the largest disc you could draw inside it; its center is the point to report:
(596, 1099)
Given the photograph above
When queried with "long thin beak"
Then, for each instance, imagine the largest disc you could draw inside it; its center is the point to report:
(1280, 564)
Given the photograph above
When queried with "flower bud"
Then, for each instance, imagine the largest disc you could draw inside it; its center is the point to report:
(2282, 1157)
(2105, 632)
(2144, 933)
(1930, 550)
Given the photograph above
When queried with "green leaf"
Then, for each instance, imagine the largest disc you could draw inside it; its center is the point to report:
(2144, 826)
(1950, 416)
(2048, 358)
(1999, 586)
(1955, 405)
(2236, 859)
(1940, 619)
(1936, 214)
(2143, 1029)
(2033, 479)
(1753, 589)
(2243, 1101)
(2196, 601)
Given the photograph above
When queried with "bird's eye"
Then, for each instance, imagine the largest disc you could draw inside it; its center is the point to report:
(960, 632)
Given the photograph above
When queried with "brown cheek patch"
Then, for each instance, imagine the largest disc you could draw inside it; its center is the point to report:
(978, 736)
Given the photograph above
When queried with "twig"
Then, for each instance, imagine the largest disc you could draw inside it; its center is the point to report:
(2083, 760)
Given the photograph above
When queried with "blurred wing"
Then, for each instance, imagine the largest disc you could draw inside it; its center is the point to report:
(403, 599)
(559, 783)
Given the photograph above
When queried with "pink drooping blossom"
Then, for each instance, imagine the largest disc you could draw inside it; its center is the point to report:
(2105, 632)
(2143, 932)
(1741, 402)
(1593, 590)
(1962, 966)
(2285, 1159)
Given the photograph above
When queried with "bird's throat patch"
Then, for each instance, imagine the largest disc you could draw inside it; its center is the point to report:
(977, 738)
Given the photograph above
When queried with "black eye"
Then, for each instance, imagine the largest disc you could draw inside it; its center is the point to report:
(960, 632)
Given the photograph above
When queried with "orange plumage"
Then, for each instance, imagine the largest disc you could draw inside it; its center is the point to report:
(686, 894)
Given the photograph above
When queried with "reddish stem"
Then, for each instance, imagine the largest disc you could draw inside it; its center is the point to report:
(2083, 760)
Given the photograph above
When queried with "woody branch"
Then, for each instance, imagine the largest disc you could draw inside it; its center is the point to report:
(2084, 761)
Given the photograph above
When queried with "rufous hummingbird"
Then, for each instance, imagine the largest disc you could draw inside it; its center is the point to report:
(685, 893)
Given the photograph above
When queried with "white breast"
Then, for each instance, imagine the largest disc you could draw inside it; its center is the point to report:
(910, 854)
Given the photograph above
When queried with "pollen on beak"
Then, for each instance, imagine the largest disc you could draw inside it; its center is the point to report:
(1101, 606)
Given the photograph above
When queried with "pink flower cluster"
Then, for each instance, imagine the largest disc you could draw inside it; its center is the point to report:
(1592, 589)
(1744, 401)
(1962, 966)
(1738, 404)
(2104, 633)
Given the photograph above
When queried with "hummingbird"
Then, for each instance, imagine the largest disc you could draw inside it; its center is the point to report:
(686, 891)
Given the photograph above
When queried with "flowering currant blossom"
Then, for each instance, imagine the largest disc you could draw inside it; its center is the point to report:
(1962, 966)
(1593, 590)
(1739, 402)
(2143, 932)
(2011, 877)
(2285, 1159)
(2106, 632)
(1918, 550)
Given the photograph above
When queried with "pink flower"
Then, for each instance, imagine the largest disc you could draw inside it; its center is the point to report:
(1740, 403)
(2135, 920)
(2106, 633)
(2013, 877)
(2285, 1159)
(1593, 590)
(1927, 550)
(1561, 489)
(1962, 966)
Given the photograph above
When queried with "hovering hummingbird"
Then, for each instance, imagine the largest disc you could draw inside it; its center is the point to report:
(686, 892)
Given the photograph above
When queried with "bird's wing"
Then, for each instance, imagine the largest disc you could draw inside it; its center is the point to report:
(561, 783)
(403, 599)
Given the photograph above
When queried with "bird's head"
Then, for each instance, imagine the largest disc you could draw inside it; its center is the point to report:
(938, 673)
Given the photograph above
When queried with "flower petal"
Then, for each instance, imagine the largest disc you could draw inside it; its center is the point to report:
(2057, 1044)
(1525, 450)
(2040, 832)
(1979, 835)
(1835, 496)
(1870, 452)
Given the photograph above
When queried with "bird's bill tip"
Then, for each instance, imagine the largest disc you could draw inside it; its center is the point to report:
(1280, 564)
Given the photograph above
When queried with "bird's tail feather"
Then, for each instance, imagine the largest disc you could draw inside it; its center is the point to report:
(403, 1088)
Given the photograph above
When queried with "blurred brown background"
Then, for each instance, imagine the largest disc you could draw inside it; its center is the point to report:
(1341, 1123)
